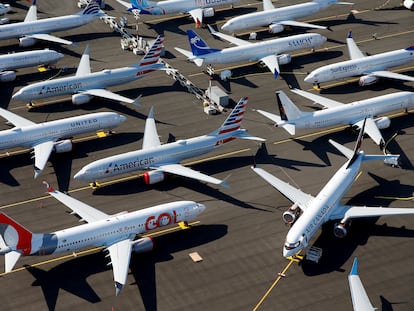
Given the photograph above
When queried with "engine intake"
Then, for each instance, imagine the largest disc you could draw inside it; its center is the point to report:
(80, 99)
(367, 80)
(153, 177)
(383, 122)
(26, 42)
(291, 214)
(341, 229)
(208, 12)
(7, 76)
(276, 28)
(63, 146)
(142, 245)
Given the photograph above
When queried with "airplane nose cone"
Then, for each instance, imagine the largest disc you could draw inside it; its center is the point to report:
(81, 175)
(122, 118)
(17, 95)
(226, 27)
(323, 39)
(60, 55)
(201, 207)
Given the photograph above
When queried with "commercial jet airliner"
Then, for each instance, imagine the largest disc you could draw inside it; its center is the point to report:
(337, 113)
(308, 213)
(278, 18)
(12, 61)
(117, 233)
(32, 29)
(86, 84)
(270, 52)
(162, 159)
(371, 68)
(46, 137)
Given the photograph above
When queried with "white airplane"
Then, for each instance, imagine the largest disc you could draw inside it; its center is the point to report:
(278, 18)
(269, 52)
(196, 8)
(360, 300)
(165, 158)
(409, 4)
(46, 137)
(4, 8)
(32, 29)
(12, 61)
(117, 233)
(337, 113)
(370, 67)
(308, 213)
(84, 85)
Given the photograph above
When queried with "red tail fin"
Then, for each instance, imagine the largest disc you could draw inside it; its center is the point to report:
(15, 235)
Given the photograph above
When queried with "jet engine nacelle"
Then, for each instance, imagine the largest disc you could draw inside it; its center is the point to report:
(276, 28)
(143, 245)
(153, 177)
(284, 59)
(80, 99)
(341, 229)
(291, 214)
(208, 12)
(7, 76)
(26, 42)
(367, 80)
(383, 122)
(63, 146)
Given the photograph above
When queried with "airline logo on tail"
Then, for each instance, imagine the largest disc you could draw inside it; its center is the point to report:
(146, 7)
(153, 55)
(233, 121)
(15, 235)
(198, 45)
(92, 8)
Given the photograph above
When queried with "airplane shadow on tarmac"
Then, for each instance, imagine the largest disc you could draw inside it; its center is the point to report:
(71, 275)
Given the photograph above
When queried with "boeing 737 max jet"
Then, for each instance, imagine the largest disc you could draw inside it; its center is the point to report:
(32, 29)
(308, 213)
(86, 84)
(360, 299)
(117, 233)
(161, 159)
(45, 137)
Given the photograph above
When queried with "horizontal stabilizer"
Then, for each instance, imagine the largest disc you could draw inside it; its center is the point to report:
(392, 75)
(10, 260)
(244, 135)
(47, 37)
(341, 148)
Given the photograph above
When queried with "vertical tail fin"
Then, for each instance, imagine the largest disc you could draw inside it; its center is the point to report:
(31, 14)
(93, 8)
(145, 7)
(15, 235)
(288, 110)
(154, 53)
(233, 121)
(198, 46)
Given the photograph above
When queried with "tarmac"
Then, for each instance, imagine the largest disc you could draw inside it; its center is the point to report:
(241, 233)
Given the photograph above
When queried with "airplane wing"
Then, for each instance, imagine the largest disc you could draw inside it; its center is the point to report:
(371, 129)
(353, 49)
(42, 153)
(392, 75)
(178, 169)
(47, 37)
(360, 300)
(16, 120)
(293, 194)
(151, 138)
(110, 95)
(197, 15)
(271, 63)
(348, 212)
(323, 101)
(85, 211)
(84, 67)
(124, 3)
(300, 24)
(228, 38)
(120, 253)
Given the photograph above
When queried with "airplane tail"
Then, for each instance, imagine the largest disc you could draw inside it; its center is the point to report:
(31, 14)
(154, 53)
(144, 6)
(231, 128)
(93, 8)
(289, 112)
(198, 46)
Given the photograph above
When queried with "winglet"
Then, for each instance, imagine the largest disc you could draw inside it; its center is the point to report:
(275, 74)
(212, 30)
(118, 288)
(48, 187)
(350, 34)
(224, 182)
(354, 270)
(136, 101)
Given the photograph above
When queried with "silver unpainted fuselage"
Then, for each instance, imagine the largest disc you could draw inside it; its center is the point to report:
(30, 58)
(180, 6)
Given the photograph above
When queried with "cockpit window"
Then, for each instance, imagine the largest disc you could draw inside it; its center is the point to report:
(290, 246)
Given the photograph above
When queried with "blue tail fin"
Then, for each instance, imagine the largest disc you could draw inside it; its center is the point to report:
(199, 46)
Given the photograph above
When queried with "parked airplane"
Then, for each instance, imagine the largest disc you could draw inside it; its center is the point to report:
(4, 8)
(32, 29)
(278, 18)
(45, 137)
(269, 52)
(12, 61)
(337, 113)
(196, 8)
(116, 233)
(360, 300)
(165, 158)
(370, 67)
(85, 85)
(327, 205)
(409, 4)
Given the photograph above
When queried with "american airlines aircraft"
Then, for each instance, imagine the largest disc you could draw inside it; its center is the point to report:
(46, 137)
(117, 233)
(308, 213)
(85, 84)
(360, 300)
(278, 18)
(269, 52)
(337, 113)
(165, 158)
(32, 29)
(12, 61)
(196, 8)
(370, 67)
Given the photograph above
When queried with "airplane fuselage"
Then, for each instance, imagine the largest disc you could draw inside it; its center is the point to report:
(355, 111)
(357, 67)
(324, 204)
(113, 228)
(146, 158)
(28, 136)
(258, 50)
(182, 6)
(76, 84)
(30, 58)
(46, 25)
